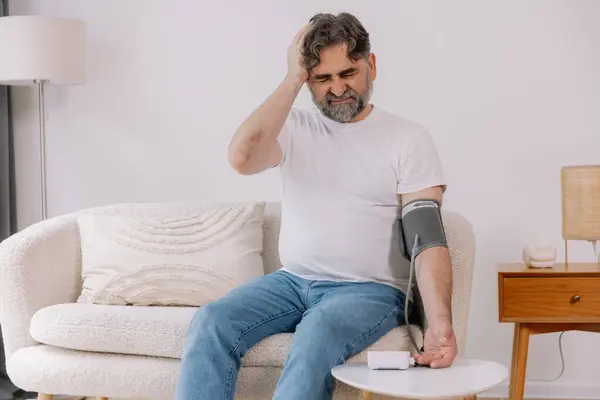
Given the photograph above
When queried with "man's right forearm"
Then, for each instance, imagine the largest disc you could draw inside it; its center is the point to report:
(250, 146)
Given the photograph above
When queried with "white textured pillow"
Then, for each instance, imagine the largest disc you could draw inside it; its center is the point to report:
(187, 260)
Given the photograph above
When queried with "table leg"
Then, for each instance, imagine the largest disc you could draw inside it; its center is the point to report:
(367, 395)
(514, 357)
(519, 361)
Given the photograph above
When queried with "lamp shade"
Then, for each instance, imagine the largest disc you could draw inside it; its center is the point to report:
(580, 186)
(34, 47)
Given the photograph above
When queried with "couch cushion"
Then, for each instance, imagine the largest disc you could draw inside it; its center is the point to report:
(158, 331)
(189, 257)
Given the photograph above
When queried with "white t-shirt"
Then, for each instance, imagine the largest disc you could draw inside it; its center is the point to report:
(340, 183)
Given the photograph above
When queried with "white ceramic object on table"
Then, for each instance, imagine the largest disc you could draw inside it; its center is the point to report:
(539, 255)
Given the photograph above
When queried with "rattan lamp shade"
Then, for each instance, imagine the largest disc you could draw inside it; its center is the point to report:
(581, 202)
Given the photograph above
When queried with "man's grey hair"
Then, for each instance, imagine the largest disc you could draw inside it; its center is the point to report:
(332, 30)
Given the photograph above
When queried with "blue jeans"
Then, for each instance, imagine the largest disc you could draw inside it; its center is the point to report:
(331, 320)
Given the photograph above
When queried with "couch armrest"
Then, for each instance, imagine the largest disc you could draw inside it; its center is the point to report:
(39, 266)
(462, 244)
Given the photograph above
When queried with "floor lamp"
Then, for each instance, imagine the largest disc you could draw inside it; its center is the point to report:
(42, 50)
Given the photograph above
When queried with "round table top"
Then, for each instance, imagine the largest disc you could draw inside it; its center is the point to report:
(464, 377)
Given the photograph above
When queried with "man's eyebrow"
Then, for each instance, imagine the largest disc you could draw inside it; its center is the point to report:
(348, 71)
(344, 72)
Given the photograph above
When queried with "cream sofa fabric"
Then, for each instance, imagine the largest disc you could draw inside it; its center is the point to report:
(154, 331)
(55, 345)
(187, 260)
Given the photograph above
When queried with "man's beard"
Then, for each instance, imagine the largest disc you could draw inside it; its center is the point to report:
(344, 112)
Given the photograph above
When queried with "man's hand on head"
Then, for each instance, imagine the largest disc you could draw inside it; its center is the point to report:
(255, 147)
(296, 70)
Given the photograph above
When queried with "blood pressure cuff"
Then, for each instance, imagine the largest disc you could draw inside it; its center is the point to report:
(420, 217)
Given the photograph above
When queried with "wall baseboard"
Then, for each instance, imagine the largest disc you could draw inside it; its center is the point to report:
(548, 390)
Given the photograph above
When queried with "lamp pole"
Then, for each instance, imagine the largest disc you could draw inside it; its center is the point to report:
(42, 121)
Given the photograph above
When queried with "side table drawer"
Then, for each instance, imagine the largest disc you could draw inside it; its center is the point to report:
(550, 299)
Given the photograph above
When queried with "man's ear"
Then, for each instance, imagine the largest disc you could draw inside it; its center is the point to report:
(372, 60)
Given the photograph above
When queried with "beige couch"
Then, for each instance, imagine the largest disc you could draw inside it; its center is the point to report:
(57, 346)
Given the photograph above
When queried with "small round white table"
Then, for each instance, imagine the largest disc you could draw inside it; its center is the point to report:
(465, 377)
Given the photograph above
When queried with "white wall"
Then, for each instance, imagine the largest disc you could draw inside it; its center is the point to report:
(509, 90)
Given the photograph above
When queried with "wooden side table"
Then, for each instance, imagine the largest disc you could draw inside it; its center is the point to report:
(565, 297)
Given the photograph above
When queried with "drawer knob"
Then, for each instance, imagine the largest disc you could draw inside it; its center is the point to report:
(575, 299)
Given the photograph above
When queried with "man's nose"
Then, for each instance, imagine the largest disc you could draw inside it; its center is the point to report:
(338, 88)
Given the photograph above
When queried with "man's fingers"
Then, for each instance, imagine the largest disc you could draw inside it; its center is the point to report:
(420, 358)
(300, 42)
(301, 33)
(427, 358)
(440, 364)
(444, 361)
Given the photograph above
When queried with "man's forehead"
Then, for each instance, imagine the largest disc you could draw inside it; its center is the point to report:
(337, 65)
(328, 72)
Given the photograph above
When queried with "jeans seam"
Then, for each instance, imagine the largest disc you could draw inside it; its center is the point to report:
(228, 385)
(256, 325)
(350, 348)
(306, 290)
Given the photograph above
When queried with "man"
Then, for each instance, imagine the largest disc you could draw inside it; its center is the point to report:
(345, 168)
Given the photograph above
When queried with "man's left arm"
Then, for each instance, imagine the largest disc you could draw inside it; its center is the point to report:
(433, 270)
(421, 176)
